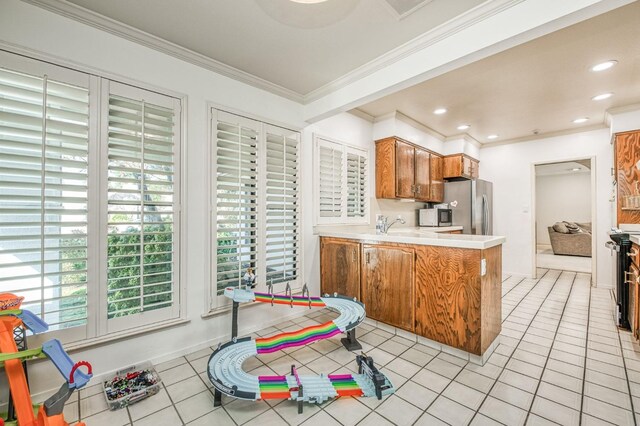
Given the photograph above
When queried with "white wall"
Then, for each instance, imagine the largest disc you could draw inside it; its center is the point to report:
(30, 27)
(561, 197)
(510, 168)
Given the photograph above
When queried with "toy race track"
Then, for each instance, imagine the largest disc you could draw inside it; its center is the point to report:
(225, 364)
(12, 320)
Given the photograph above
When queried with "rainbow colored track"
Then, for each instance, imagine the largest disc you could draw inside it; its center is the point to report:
(225, 365)
(297, 338)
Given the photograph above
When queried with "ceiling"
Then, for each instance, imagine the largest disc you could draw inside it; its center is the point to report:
(563, 168)
(300, 47)
(538, 87)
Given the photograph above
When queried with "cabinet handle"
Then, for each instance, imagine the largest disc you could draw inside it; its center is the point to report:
(367, 257)
(353, 256)
(626, 279)
(632, 253)
(417, 189)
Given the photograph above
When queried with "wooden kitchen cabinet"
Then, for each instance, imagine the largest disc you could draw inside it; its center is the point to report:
(405, 170)
(340, 267)
(388, 274)
(455, 304)
(627, 174)
(460, 166)
(437, 178)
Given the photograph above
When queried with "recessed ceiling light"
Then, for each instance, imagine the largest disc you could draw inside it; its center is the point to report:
(581, 120)
(492, 136)
(604, 65)
(439, 111)
(575, 169)
(463, 126)
(602, 96)
(308, 1)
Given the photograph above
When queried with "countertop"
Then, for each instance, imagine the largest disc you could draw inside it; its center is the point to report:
(635, 239)
(420, 236)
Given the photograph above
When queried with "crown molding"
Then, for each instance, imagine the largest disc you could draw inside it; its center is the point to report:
(418, 125)
(465, 137)
(471, 17)
(608, 115)
(101, 22)
(548, 135)
(363, 115)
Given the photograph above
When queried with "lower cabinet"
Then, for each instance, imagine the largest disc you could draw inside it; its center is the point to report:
(633, 287)
(388, 275)
(340, 267)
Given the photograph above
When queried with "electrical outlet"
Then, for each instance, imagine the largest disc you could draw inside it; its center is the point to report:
(483, 267)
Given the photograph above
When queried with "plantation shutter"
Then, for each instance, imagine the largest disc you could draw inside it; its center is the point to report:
(142, 204)
(236, 154)
(356, 183)
(330, 157)
(44, 166)
(282, 205)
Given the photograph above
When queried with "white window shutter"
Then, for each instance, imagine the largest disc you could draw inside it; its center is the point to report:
(44, 152)
(356, 183)
(236, 153)
(330, 178)
(141, 206)
(282, 206)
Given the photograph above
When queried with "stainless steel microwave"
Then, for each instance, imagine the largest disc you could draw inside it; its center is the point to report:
(435, 217)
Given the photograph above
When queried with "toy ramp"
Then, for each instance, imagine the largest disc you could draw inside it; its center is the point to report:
(54, 351)
(225, 364)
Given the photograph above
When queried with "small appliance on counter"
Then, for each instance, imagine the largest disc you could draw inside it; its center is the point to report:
(438, 215)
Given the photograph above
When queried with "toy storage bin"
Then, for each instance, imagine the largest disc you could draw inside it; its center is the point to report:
(137, 394)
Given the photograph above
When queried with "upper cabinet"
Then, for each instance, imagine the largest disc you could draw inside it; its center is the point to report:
(460, 166)
(405, 170)
(627, 175)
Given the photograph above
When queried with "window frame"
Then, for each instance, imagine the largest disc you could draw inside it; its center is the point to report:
(216, 304)
(95, 330)
(347, 148)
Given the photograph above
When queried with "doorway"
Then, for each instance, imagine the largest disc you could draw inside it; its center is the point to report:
(564, 216)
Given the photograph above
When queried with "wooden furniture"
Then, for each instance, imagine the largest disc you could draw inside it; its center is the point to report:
(340, 267)
(626, 158)
(632, 279)
(387, 284)
(460, 166)
(436, 292)
(455, 304)
(405, 170)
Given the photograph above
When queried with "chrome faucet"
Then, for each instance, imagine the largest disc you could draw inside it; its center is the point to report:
(385, 226)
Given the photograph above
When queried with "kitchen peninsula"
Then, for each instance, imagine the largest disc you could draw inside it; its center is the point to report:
(441, 286)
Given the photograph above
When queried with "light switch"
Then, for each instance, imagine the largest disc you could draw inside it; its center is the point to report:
(483, 267)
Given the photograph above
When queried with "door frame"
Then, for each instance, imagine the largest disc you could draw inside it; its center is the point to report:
(594, 227)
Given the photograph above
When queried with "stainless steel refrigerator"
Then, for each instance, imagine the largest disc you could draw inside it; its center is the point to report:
(474, 209)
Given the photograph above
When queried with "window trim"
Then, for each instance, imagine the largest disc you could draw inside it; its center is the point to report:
(28, 61)
(343, 219)
(214, 304)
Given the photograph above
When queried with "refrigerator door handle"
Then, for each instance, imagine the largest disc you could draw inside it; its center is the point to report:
(485, 215)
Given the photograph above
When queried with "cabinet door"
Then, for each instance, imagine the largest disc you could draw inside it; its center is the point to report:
(388, 284)
(452, 166)
(437, 180)
(404, 170)
(632, 288)
(627, 155)
(423, 174)
(475, 165)
(466, 166)
(340, 267)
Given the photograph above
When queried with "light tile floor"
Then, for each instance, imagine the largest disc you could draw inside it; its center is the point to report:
(561, 360)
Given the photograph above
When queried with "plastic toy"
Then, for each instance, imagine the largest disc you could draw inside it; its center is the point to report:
(13, 322)
(225, 364)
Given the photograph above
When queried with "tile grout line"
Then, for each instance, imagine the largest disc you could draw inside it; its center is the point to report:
(586, 349)
(551, 348)
(519, 341)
